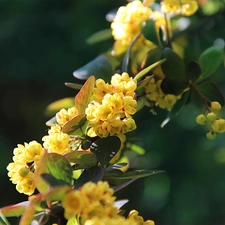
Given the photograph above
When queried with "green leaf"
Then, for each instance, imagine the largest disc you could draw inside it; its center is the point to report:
(52, 181)
(105, 149)
(211, 91)
(76, 125)
(51, 122)
(57, 193)
(133, 174)
(176, 108)
(83, 158)
(73, 85)
(14, 210)
(99, 36)
(126, 59)
(83, 97)
(55, 106)
(100, 67)
(210, 60)
(173, 87)
(60, 168)
(3, 220)
(143, 72)
(150, 33)
(173, 67)
(193, 71)
(93, 174)
(137, 149)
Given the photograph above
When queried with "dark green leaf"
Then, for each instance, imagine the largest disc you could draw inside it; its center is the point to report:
(83, 158)
(115, 167)
(172, 86)
(52, 181)
(60, 168)
(99, 36)
(105, 149)
(100, 67)
(173, 67)
(193, 71)
(150, 33)
(57, 193)
(176, 108)
(210, 60)
(211, 91)
(93, 174)
(75, 126)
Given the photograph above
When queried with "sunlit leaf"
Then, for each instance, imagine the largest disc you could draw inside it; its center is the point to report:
(55, 106)
(83, 97)
(41, 168)
(99, 36)
(93, 174)
(75, 124)
(211, 91)
(60, 168)
(100, 67)
(51, 122)
(137, 149)
(83, 158)
(14, 210)
(105, 149)
(176, 108)
(144, 82)
(143, 72)
(173, 67)
(57, 193)
(210, 60)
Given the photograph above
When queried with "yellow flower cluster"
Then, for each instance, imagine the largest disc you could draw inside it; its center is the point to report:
(112, 107)
(184, 7)
(155, 94)
(128, 21)
(63, 116)
(93, 204)
(217, 124)
(21, 171)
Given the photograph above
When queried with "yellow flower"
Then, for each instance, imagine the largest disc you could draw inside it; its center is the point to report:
(63, 116)
(133, 216)
(33, 152)
(184, 7)
(58, 142)
(73, 203)
(216, 106)
(128, 22)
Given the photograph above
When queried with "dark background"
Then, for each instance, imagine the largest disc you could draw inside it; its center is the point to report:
(41, 43)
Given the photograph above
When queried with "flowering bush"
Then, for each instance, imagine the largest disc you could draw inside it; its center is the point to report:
(72, 176)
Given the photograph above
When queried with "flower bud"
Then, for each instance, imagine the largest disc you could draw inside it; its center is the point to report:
(201, 119)
(219, 126)
(215, 106)
(211, 116)
(211, 135)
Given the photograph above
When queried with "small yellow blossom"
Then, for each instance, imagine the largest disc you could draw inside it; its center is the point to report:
(219, 126)
(128, 22)
(63, 116)
(216, 106)
(201, 119)
(133, 216)
(58, 142)
(184, 7)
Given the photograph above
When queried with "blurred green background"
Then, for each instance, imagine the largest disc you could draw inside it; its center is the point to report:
(41, 43)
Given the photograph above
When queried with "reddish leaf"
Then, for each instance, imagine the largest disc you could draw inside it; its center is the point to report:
(82, 99)
(14, 210)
